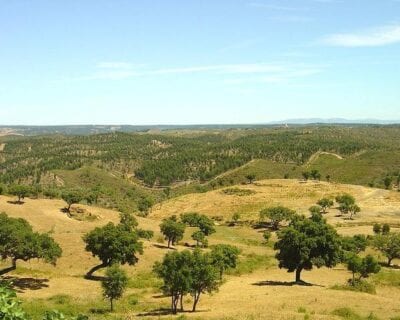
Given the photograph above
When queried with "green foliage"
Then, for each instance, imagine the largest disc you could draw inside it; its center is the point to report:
(187, 272)
(18, 241)
(385, 229)
(389, 245)
(172, 229)
(114, 284)
(387, 181)
(354, 244)
(362, 267)
(347, 204)
(145, 205)
(224, 256)
(190, 218)
(20, 191)
(357, 286)
(113, 244)
(277, 215)
(251, 177)
(267, 235)
(72, 197)
(315, 209)
(325, 204)
(127, 221)
(206, 225)
(10, 306)
(307, 243)
(377, 228)
(200, 238)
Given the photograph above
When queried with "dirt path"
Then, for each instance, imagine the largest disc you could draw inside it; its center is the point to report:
(316, 155)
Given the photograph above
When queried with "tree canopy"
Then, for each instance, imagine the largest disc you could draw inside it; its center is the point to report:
(113, 244)
(277, 215)
(172, 229)
(307, 242)
(18, 241)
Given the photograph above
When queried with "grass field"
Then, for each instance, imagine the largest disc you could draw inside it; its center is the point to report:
(258, 289)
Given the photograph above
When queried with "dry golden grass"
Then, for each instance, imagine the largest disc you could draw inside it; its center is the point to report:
(239, 297)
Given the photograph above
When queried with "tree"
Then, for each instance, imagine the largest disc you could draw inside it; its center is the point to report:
(306, 243)
(328, 178)
(191, 219)
(315, 174)
(387, 181)
(385, 229)
(172, 230)
(20, 191)
(389, 245)
(175, 270)
(127, 221)
(200, 239)
(277, 215)
(347, 204)
(112, 244)
(72, 197)
(251, 177)
(325, 204)
(362, 266)
(353, 209)
(145, 205)
(224, 256)
(114, 284)
(204, 276)
(377, 228)
(206, 225)
(315, 209)
(306, 175)
(18, 241)
(186, 272)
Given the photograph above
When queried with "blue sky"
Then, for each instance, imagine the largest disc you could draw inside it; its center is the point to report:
(187, 62)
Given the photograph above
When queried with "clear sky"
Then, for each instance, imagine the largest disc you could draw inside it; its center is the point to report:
(197, 61)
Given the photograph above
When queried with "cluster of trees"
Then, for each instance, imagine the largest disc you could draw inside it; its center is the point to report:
(174, 230)
(18, 241)
(194, 273)
(162, 160)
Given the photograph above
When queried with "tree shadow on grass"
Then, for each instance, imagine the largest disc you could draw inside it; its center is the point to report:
(24, 284)
(285, 284)
(156, 313)
(164, 312)
(161, 246)
(16, 202)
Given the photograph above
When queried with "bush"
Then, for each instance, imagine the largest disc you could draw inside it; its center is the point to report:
(357, 286)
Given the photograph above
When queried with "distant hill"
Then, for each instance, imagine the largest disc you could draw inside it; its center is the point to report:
(304, 121)
(28, 130)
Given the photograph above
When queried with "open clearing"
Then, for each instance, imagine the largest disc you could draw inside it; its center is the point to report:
(265, 293)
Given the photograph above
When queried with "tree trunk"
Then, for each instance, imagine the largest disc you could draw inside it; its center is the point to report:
(169, 243)
(298, 274)
(89, 274)
(112, 305)
(9, 269)
(195, 301)
(181, 302)
(389, 261)
(354, 280)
